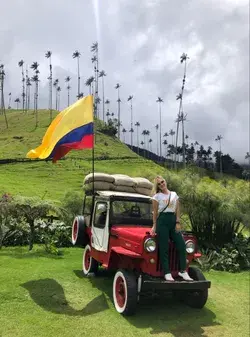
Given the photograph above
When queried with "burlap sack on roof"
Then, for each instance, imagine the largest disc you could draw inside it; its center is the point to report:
(98, 176)
(123, 180)
(143, 183)
(122, 188)
(142, 190)
(99, 186)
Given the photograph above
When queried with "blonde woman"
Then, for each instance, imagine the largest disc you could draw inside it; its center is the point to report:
(166, 222)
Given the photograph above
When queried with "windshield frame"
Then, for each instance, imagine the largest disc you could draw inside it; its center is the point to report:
(129, 221)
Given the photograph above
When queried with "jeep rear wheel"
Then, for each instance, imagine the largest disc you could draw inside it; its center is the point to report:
(125, 292)
(89, 264)
(196, 299)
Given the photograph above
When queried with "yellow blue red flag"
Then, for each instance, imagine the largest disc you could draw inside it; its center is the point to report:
(73, 128)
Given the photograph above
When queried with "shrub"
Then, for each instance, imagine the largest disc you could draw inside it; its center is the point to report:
(234, 257)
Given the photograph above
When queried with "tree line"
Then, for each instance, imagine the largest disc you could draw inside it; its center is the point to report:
(165, 148)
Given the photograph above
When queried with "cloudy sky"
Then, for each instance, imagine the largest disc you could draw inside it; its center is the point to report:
(140, 46)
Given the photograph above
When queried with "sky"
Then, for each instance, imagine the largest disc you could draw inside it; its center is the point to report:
(140, 44)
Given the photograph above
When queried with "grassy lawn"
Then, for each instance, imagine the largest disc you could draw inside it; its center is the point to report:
(48, 180)
(41, 295)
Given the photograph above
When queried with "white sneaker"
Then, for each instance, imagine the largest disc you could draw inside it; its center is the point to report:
(185, 276)
(168, 277)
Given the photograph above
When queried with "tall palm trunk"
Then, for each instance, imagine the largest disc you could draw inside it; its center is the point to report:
(26, 89)
(3, 111)
(78, 71)
(50, 89)
(137, 139)
(160, 131)
(179, 112)
(23, 85)
(68, 96)
(131, 108)
(103, 102)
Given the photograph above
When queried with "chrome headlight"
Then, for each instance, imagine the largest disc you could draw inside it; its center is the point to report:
(190, 247)
(150, 245)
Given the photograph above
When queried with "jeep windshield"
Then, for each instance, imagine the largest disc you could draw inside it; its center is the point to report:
(131, 212)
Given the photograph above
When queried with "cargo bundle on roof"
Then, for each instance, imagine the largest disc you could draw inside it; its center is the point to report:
(117, 182)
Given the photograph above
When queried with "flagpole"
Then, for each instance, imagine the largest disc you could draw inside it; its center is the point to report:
(93, 151)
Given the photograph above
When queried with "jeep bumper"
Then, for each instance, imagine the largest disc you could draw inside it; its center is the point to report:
(159, 284)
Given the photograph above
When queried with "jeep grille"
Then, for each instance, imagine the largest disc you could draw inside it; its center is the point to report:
(173, 258)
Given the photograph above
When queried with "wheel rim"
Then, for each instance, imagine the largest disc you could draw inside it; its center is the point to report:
(87, 259)
(120, 292)
(75, 231)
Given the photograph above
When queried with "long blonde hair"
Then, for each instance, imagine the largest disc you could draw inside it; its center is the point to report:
(156, 188)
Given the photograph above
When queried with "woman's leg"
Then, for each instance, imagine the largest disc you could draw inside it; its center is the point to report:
(162, 239)
(180, 246)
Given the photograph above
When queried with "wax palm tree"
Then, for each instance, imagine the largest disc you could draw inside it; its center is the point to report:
(186, 137)
(165, 143)
(150, 144)
(117, 87)
(157, 138)
(95, 60)
(144, 134)
(137, 124)
(48, 55)
(76, 55)
(107, 102)
(89, 83)
(35, 79)
(160, 101)
(247, 156)
(9, 104)
(28, 85)
(67, 80)
(58, 95)
(124, 133)
(55, 85)
(17, 101)
(102, 75)
(179, 97)
(172, 133)
(130, 99)
(218, 139)
(142, 144)
(20, 64)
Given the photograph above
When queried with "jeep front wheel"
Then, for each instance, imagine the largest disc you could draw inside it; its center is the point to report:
(125, 292)
(196, 299)
(89, 264)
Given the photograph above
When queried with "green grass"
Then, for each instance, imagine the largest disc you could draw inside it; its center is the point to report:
(41, 295)
(52, 180)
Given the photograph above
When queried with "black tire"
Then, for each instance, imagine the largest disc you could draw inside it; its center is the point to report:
(196, 299)
(89, 264)
(125, 292)
(78, 234)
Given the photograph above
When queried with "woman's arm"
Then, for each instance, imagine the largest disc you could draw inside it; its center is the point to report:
(178, 211)
(178, 226)
(155, 215)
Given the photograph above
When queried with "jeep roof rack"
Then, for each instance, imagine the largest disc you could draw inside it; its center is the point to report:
(104, 193)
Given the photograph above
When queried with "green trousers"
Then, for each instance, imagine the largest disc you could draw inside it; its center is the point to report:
(165, 228)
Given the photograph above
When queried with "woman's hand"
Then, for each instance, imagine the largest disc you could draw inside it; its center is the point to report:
(178, 227)
(153, 230)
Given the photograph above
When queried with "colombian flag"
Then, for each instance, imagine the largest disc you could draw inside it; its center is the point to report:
(73, 128)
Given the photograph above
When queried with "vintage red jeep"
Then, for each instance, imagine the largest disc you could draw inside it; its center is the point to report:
(115, 232)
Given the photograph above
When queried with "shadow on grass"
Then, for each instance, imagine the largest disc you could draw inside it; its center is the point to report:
(49, 295)
(160, 312)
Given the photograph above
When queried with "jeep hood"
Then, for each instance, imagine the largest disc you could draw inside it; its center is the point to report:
(132, 233)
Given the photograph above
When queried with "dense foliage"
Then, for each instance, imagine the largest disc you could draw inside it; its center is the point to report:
(216, 211)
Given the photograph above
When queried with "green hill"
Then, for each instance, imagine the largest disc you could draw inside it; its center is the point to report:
(50, 180)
